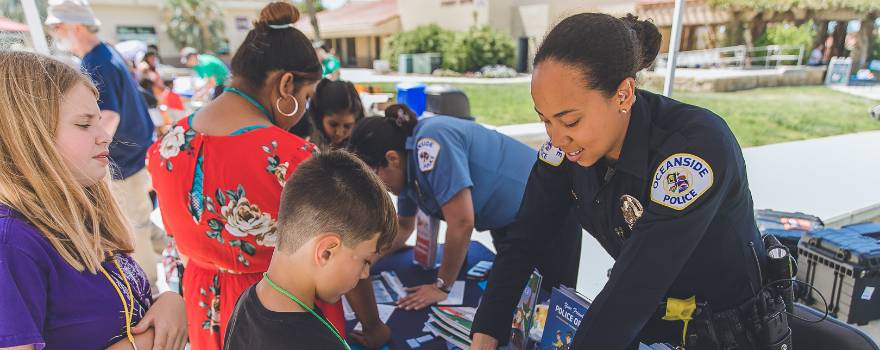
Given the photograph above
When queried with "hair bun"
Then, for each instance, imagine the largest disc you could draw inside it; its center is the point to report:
(278, 12)
(648, 37)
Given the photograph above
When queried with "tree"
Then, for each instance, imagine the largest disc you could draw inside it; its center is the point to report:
(13, 10)
(195, 23)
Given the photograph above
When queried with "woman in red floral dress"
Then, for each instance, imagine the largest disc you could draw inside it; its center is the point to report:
(219, 173)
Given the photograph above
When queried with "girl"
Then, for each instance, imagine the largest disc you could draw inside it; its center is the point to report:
(334, 111)
(64, 245)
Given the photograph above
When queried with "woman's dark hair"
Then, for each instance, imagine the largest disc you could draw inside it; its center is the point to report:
(606, 49)
(332, 97)
(373, 137)
(274, 45)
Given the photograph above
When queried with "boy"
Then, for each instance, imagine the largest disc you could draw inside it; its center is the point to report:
(334, 218)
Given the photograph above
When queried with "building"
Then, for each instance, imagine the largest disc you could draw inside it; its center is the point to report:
(142, 20)
(14, 34)
(358, 30)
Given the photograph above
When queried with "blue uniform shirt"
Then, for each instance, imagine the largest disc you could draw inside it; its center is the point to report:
(119, 93)
(446, 155)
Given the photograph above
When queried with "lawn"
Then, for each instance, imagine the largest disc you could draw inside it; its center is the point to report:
(757, 117)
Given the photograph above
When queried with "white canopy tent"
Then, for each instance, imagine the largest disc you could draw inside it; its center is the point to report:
(674, 43)
(36, 26)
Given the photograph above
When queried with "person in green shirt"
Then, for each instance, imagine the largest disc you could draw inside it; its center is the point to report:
(207, 67)
(329, 62)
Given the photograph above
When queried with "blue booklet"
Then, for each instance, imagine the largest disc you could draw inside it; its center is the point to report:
(564, 314)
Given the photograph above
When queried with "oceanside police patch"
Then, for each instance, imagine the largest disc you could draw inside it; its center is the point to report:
(550, 155)
(680, 180)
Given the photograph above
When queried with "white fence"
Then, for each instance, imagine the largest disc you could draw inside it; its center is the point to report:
(737, 57)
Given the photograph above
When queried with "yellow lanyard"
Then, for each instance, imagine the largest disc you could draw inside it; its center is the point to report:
(128, 311)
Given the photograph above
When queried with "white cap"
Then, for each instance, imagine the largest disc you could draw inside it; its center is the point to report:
(71, 11)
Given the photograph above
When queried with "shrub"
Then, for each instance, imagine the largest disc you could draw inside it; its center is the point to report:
(789, 34)
(423, 39)
(471, 50)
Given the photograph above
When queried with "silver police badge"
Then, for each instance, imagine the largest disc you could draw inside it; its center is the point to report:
(632, 210)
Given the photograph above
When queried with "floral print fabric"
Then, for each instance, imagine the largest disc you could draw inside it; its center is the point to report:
(223, 221)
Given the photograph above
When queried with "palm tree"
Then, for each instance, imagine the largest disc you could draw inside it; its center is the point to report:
(195, 23)
(311, 8)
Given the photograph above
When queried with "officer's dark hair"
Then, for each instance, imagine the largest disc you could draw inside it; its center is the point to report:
(373, 137)
(605, 49)
(335, 192)
(267, 49)
(332, 97)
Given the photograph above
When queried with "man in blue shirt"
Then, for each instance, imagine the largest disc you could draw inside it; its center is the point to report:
(124, 114)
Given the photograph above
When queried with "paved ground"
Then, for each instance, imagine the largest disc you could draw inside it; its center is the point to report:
(872, 92)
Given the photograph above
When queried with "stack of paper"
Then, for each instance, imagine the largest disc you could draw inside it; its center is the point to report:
(453, 324)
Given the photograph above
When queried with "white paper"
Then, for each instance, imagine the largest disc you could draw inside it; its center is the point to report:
(456, 294)
(346, 310)
(385, 312)
(868, 293)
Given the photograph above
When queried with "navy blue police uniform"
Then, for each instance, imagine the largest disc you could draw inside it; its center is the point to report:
(674, 211)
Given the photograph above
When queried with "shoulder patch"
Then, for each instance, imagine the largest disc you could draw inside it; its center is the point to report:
(550, 155)
(680, 179)
(427, 149)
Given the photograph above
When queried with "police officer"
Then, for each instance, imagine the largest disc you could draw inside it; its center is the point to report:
(460, 171)
(660, 184)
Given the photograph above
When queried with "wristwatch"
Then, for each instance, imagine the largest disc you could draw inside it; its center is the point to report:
(441, 285)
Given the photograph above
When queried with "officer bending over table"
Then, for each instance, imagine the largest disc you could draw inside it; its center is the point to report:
(466, 174)
(660, 184)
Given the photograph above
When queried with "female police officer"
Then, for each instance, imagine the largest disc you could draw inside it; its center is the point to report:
(471, 176)
(660, 184)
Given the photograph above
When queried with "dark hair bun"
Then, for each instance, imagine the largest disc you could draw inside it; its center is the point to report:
(278, 12)
(649, 39)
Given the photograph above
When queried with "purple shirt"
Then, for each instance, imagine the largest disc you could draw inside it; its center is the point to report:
(45, 302)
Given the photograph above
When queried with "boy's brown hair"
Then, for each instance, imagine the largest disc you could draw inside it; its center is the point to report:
(335, 192)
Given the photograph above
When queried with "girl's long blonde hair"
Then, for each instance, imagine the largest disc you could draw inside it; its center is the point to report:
(82, 223)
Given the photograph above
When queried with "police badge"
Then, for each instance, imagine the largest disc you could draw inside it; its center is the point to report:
(632, 210)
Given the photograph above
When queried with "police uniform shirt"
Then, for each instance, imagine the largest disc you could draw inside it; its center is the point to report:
(675, 212)
(446, 155)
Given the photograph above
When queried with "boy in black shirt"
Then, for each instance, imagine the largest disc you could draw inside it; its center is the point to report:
(334, 218)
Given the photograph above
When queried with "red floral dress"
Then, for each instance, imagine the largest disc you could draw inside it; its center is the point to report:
(219, 198)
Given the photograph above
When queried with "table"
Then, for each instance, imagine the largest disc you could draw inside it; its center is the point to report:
(409, 324)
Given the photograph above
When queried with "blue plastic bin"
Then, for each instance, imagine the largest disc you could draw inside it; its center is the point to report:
(412, 95)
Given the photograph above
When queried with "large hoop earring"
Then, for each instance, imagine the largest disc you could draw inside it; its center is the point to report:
(295, 107)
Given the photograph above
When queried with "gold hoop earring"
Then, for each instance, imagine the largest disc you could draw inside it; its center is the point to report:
(295, 107)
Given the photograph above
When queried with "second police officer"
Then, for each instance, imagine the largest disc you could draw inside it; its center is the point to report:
(466, 174)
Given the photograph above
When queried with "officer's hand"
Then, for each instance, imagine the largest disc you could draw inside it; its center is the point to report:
(483, 342)
(373, 337)
(420, 297)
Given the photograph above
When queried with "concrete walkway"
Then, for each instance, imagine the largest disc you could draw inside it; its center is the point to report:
(870, 92)
(363, 75)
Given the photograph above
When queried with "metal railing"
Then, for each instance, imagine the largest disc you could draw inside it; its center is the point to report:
(737, 57)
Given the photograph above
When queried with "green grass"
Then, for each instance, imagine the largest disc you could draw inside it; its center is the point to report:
(757, 117)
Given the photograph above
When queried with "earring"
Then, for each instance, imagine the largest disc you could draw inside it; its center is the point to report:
(295, 107)
(624, 110)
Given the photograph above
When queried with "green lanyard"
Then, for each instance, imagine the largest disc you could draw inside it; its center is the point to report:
(302, 305)
(252, 101)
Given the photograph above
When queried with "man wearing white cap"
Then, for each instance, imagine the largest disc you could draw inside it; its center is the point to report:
(124, 115)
